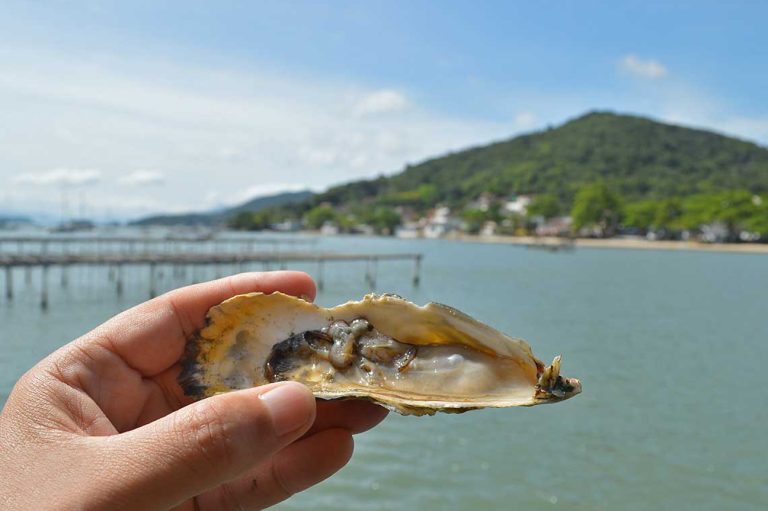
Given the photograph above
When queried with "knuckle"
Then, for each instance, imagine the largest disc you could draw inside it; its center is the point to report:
(282, 486)
(209, 436)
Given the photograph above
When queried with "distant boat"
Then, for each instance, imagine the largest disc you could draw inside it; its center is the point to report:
(553, 245)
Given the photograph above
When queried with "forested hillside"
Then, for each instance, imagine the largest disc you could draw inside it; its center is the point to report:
(606, 170)
(636, 157)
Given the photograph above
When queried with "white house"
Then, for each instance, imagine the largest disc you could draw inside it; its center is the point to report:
(483, 202)
(329, 229)
(440, 222)
(409, 230)
(558, 226)
(290, 225)
(518, 205)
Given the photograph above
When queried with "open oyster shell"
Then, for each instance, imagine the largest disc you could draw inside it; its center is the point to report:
(413, 360)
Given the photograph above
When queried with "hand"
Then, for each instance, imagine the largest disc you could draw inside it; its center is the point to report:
(102, 423)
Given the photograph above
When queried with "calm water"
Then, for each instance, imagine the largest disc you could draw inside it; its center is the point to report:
(670, 346)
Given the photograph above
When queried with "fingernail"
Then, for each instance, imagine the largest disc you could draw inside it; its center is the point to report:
(289, 407)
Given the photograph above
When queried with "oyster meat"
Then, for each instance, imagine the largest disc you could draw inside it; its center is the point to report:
(413, 360)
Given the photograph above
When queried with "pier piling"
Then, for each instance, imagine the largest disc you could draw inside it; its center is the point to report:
(374, 273)
(152, 280)
(44, 288)
(9, 282)
(417, 270)
(119, 280)
(64, 277)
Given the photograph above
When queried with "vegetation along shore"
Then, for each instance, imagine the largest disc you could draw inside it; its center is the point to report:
(622, 243)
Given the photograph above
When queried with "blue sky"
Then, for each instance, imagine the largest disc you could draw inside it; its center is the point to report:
(123, 108)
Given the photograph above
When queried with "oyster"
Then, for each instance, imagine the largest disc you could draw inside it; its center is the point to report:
(413, 360)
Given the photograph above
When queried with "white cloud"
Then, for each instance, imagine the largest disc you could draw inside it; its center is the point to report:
(525, 120)
(381, 102)
(643, 68)
(679, 102)
(220, 136)
(143, 178)
(61, 177)
(263, 190)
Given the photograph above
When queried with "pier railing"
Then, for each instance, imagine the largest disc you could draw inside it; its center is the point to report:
(69, 244)
(154, 256)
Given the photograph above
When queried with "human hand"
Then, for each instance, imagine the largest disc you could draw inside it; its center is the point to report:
(102, 423)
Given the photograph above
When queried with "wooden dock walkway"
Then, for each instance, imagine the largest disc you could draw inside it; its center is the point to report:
(83, 243)
(9, 260)
(115, 261)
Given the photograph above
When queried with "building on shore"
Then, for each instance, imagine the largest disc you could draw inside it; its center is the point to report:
(409, 230)
(439, 222)
(518, 204)
(558, 226)
(329, 229)
(289, 225)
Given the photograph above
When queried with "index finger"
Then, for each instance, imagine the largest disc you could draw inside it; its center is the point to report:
(151, 336)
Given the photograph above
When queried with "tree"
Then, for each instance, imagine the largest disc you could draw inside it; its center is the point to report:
(641, 215)
(734, 208)
(250, 221)
(668, 213)
(385, 220)
(241, 221)
(596, 205)
(544, 205)
(317, 216)
(697, 211)
(758, 222)
(428, 195)
(474, 220)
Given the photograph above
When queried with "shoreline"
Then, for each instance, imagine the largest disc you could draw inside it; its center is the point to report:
(621, 243)
(541, 242)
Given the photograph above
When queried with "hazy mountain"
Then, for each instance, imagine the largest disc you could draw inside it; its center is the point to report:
(13, 219)
(218, 217)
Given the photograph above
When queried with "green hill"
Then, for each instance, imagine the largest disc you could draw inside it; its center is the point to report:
(608, 171)
(637, 157)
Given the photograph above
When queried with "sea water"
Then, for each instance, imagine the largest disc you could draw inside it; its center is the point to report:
(671, 348)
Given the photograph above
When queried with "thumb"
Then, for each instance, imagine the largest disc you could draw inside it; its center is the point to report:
(212, 441)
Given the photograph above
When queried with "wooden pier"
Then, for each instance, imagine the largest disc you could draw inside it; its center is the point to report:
(115, 261)
(133, 244)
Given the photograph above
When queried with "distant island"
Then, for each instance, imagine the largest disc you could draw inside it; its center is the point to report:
(9, 220)
(599, 175)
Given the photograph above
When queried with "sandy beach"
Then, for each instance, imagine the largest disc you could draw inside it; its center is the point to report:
(625, 243)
